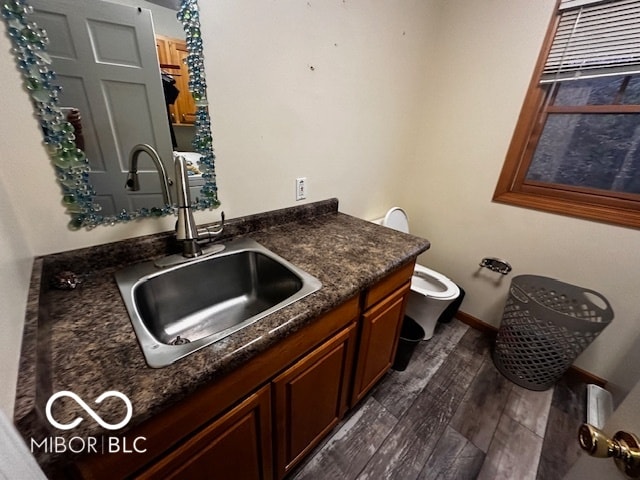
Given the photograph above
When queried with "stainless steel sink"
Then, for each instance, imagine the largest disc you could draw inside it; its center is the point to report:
(176, 311)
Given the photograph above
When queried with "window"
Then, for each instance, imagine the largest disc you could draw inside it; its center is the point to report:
(576, 147)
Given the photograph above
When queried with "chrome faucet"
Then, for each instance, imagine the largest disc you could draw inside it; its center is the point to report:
(133, 182)
(187, 231)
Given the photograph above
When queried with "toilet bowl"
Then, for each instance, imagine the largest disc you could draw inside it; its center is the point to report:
(431, 292)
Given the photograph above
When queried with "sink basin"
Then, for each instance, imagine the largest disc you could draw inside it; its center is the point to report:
(176, 311)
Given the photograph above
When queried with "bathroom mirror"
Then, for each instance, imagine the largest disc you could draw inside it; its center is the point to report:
(109, 97)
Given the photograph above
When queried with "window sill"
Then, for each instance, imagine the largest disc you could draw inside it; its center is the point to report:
(606, 214)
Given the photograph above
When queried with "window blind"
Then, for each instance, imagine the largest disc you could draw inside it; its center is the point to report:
(594, 39)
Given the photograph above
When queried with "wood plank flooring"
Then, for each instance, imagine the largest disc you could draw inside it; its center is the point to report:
(452, 416)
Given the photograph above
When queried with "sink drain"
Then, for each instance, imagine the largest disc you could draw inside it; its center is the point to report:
(180, 341)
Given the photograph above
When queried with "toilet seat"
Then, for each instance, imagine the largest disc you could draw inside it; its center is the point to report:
(433, 284)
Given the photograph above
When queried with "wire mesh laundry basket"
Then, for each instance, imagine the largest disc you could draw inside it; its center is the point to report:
(546, 324)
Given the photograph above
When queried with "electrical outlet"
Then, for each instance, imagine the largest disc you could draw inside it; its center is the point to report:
(301, 188)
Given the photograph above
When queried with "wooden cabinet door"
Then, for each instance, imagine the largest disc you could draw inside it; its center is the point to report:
(311, 397)
(237, 445)
(185, 104)
(172, 55)
(162, 49)
(378, 341)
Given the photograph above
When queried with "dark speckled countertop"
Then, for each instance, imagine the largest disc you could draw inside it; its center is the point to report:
(82, 340)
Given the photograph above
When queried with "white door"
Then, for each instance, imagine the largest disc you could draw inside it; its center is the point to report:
(626, 417)
(105, 58)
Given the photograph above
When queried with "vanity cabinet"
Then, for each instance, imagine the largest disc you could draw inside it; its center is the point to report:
(237, 445)
(260, 420)
(216, 410)
(311, 397)
(383, 313)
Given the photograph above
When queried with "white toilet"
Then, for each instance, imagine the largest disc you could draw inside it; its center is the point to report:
(431, 292)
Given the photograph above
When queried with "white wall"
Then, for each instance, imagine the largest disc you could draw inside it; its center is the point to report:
(15, 271)
(487, 54)
(329, 90)
(15, 252)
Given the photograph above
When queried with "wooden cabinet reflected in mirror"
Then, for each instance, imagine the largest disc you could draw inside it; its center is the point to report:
(181, 107)
(172, 54)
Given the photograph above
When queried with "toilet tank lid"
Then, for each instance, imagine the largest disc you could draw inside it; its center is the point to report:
(397, 219)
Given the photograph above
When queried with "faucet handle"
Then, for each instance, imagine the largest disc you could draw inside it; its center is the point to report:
(207, 233)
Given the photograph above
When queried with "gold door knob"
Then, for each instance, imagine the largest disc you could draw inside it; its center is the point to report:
(623, 447)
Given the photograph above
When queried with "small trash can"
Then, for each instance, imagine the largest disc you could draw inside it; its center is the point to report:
(410, 335)
(546, 324)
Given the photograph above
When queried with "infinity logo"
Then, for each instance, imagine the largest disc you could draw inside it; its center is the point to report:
(89, 410)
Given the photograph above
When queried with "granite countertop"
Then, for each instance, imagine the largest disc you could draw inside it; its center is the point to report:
(82, 340)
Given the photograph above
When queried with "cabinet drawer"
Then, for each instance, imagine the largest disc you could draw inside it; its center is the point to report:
(388, 285)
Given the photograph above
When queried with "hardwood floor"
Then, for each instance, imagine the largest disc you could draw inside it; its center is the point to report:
(451, 416)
